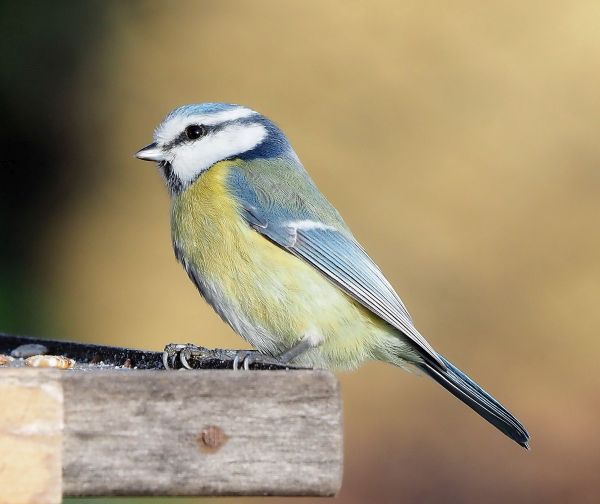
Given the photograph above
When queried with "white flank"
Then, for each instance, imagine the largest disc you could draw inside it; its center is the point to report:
(172, 128)
(190, 159)
(314, 337)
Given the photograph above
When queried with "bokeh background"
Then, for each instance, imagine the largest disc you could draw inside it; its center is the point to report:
(458, 139)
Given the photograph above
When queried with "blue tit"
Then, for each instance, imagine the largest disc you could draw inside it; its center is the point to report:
(277, 262)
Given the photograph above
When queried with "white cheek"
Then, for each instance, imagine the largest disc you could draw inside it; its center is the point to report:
(190, 160)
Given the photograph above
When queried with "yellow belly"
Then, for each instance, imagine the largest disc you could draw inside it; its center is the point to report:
(270, 297)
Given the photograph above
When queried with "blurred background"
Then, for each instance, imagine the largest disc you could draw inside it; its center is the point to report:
(460, 142)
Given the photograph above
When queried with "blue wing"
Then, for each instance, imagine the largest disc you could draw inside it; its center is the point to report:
(290, 211)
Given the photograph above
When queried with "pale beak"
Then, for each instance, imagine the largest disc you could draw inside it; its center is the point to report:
(151, 152)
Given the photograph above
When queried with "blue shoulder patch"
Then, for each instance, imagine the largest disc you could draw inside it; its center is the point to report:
(268, 219)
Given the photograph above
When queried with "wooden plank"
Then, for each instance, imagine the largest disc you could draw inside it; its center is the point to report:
(202, 433)
(31, 421)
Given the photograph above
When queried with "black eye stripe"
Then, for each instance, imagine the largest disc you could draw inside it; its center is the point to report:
(206, 130)
(184, 138)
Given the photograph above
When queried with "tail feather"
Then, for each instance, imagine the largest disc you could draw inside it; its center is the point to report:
(469, 392)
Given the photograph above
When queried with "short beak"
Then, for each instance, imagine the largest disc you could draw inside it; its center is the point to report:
(151, 152)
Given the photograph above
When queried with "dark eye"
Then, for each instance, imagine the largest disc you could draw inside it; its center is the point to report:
(195, 131)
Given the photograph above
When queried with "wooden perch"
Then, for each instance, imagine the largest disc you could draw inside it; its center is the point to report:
(141, 432)
(31, 434)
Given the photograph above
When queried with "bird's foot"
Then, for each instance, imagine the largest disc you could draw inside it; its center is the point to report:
(189, 356)
(243, 359)
(246, 359)
(181, 353)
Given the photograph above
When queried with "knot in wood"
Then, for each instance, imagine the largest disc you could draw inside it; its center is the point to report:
(211, 439)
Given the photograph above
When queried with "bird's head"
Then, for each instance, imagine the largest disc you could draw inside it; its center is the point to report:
(193, 138)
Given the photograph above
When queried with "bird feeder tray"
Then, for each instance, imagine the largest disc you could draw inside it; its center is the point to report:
(114, 423)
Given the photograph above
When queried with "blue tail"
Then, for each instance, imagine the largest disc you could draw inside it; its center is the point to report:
(465, 389)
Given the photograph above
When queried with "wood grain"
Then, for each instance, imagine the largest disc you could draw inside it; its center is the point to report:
(202, 433)
(31, 422)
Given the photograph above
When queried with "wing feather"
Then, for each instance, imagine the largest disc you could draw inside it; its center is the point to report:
(343, 260)
(298, 218)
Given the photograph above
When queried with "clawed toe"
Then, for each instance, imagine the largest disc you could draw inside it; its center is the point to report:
(246, 357)
(184, 355)
(175, 352)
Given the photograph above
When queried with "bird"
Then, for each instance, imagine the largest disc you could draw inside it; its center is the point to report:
(275, 259)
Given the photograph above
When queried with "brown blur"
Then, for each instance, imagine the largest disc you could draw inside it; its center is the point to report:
(460, 142)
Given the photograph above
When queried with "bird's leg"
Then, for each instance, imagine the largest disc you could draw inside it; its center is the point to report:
(248, 357)
(295, 351)
(243, 359)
